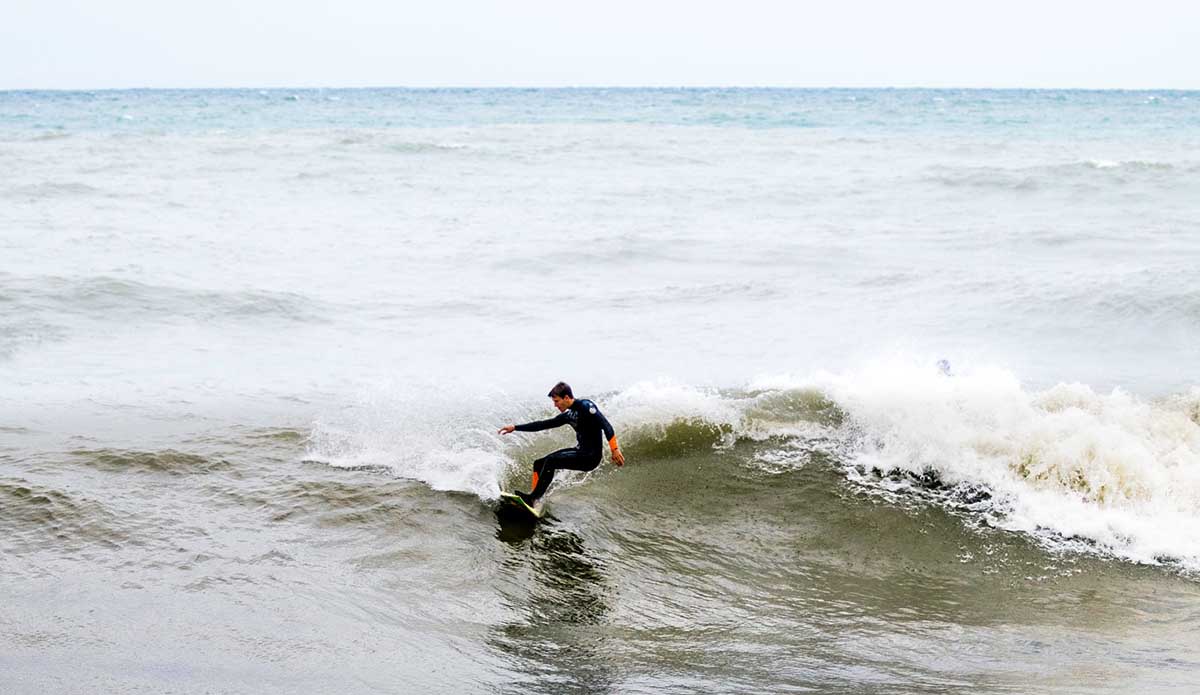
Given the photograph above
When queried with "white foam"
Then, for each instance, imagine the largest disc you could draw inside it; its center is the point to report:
(419, 435)
(450, 443)
(1075, 468)
(1063, 463)
(657, 403)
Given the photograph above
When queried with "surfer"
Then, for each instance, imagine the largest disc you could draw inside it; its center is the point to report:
(588, 422)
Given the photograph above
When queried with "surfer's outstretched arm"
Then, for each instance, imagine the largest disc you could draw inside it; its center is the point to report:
(538, 425)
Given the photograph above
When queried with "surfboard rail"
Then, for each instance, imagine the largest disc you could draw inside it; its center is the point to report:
(513, 500)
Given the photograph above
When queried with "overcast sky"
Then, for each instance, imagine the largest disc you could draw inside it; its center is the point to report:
(64, 44)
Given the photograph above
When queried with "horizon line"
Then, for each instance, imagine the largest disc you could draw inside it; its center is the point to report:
(600, 87)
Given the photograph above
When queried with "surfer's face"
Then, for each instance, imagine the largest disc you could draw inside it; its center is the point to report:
(562, 402)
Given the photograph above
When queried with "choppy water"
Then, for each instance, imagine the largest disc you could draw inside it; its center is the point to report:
(254, 347)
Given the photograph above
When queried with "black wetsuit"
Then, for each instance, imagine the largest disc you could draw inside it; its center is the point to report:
(589, 424)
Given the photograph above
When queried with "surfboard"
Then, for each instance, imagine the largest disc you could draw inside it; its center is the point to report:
(508, 499)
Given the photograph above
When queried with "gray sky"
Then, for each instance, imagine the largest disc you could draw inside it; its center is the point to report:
(62, 44)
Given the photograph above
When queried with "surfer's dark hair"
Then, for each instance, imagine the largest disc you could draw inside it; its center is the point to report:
(562, 390)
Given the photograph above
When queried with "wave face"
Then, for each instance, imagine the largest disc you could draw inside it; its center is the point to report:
(1065, 464)
(1074, 469)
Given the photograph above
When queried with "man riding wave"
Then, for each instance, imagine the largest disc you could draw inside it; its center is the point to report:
(589, 424)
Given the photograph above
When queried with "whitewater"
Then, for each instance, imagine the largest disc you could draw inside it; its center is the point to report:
(906, 380)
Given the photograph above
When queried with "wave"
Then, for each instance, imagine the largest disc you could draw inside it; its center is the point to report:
(388, 142)
(166, 461)
(1137, 165)
(437, 441)
(1083, 175)
(50, 136)
(118, 299)
(18, 332)
(333, 503)
(1140, 297)
(1069, 467)
(691, 294)
(1063, 464)
(35, 514)
(52, 190)
(419, 433)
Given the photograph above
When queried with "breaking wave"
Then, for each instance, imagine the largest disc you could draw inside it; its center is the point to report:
(1073, 468)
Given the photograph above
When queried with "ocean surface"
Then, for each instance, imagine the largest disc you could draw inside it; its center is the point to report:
(908, 383)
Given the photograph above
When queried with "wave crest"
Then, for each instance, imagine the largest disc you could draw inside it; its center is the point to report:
(167, 461)
(1061, 463)
(32, 512)
(1080, 176)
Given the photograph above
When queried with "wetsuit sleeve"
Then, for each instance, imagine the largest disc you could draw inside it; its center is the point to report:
(539, 425)
(609, 433)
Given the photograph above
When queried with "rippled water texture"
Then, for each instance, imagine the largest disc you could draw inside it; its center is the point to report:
(255, 346)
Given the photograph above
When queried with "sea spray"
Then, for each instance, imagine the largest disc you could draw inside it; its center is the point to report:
(1063, 463)
(444, 437)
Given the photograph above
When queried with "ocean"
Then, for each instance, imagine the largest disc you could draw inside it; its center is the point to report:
(906, 381)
